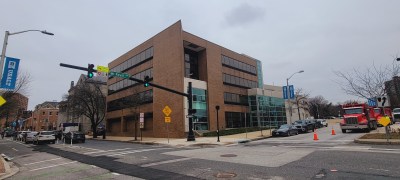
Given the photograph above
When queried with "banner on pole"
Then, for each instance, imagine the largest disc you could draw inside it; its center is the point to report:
(10, 73)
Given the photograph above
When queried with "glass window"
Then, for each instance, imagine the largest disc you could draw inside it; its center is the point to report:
(142, 56)
(152, 51)
(147, 53)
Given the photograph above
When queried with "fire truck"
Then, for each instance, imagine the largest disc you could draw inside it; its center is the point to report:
(358, 117)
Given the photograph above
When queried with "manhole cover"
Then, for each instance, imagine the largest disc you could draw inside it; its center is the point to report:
(228, 155)
(225, 175)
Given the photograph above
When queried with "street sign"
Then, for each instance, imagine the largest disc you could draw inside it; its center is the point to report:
(291, 91)
(2, 101)
(372, 102)
(10, 73)
(121, 75)
(141, 115)
(103, 69)
(284, 90)
(385, 120)
(167, 111)
(141, 125)
(104, 74)
(167, 119)
(382, 101)
(141, 119)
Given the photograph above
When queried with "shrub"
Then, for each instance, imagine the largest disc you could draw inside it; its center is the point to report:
(232, 131)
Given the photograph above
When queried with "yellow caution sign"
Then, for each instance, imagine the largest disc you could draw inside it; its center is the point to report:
(2, 101)
(167, 119)
(103, 69)
(384, 121)
(167, 111)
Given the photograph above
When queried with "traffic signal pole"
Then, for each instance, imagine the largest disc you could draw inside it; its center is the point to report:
(189, 93)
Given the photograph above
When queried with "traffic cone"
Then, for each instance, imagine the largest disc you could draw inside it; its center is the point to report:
(315, 136)
(333, 131)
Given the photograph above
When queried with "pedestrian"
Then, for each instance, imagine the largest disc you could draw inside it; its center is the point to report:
(2, 134)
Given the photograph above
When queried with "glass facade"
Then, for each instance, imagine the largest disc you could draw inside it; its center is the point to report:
(126, 83)
(135, 60)
(238, 81)
(260, 74)
(191, 64)
(235, 64)
(200, 104)
(126, 102)
(237, 120)
(266, 111)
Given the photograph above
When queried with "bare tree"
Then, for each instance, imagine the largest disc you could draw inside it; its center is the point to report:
(301, 97)
(369, 82)
(316, 105)
(133, 103)
(13, 105)
(87, 99)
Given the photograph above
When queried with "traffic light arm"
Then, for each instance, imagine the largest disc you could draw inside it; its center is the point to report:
(160, 87)
(76, 67)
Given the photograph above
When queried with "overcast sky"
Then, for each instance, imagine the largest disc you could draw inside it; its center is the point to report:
(319, 37)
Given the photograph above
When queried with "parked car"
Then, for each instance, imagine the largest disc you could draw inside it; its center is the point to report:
(21, 135)
(317, 124)
(30, 136)
(323, 122)
(58, 134)
(303, 125)
(285, 130)
(8, 133)
(44, 136)
(76, 137)
(396, 115)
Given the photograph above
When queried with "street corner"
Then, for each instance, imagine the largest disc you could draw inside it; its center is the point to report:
(7, 169)
(377, 141)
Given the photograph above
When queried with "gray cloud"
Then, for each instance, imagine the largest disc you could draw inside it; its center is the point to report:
(244, 14)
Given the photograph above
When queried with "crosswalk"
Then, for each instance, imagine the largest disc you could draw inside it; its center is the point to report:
(93, 152)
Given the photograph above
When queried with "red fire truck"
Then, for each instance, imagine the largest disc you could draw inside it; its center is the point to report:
(358, 116)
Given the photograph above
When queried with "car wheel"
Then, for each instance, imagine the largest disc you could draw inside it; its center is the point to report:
(297, 132)
(343, 130)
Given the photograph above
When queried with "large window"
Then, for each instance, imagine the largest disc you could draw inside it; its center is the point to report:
(125, 83)
(237, 120)
(135, 60)
(239, 99)
(200, 104)
(191, 64)
(241, 66)
(266, 111)
(126, 102)
(238, 81)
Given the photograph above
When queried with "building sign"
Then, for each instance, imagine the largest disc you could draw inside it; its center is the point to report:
(10, 73)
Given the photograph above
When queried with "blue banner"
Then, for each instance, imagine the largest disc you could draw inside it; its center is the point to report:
(372, 102)
(10, 73)
(284, 90)
(291, 91)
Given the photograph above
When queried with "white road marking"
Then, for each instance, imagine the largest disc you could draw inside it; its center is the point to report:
(165, 162)
(131, 152)
(101, 151)
(53, 166)
(14, 149)
(41, 161)
(117, 174)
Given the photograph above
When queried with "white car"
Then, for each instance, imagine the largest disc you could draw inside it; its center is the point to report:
(44, 136)
(20, 135)
(30, 136)
(323, 122)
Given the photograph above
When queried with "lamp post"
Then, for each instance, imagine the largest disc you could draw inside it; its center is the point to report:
(217, 108)
(288, 95)
(3, 52)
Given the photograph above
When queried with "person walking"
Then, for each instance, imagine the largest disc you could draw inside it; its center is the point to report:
(2, 134)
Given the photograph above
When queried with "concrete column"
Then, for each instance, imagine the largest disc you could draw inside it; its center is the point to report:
(123, 124)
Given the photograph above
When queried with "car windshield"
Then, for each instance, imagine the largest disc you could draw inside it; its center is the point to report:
(378, 111)
(47, 133)
(353, 111)
(396, 110)
(299, 122)
(284, 126)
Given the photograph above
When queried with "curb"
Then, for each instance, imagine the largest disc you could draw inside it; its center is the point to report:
(376, 141)
(10, 171)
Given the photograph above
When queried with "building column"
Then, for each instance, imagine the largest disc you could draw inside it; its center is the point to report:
(123, 124)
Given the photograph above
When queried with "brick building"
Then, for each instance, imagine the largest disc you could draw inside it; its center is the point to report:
(13, 109)
(44, 117)
(172, 58)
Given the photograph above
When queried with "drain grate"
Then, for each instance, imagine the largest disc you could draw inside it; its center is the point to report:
(225, 175)
(228, 155)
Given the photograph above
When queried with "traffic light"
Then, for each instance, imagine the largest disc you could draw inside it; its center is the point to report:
(90, 71)
(146, 81)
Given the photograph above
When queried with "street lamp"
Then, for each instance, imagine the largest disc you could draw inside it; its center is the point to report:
(217, 108)
(288, 95)
(7, 33)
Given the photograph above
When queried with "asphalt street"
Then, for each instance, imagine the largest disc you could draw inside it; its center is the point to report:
(295, 157)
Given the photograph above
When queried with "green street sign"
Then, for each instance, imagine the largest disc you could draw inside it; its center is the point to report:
(121, 75)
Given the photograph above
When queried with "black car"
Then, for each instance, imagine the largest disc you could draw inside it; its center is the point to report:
(76, 137)
(285, 130)
(303, 125)
(317, 124)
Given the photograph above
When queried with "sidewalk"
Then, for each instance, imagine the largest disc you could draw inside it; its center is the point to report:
(200, 141)
(381, 141)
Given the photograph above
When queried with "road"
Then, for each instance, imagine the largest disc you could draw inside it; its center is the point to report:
(295, 157)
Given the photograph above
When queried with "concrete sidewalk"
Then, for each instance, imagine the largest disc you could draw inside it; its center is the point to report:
(182, 142)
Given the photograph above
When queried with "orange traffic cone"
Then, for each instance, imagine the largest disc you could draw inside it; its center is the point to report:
(315, 136)
(333, 131)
